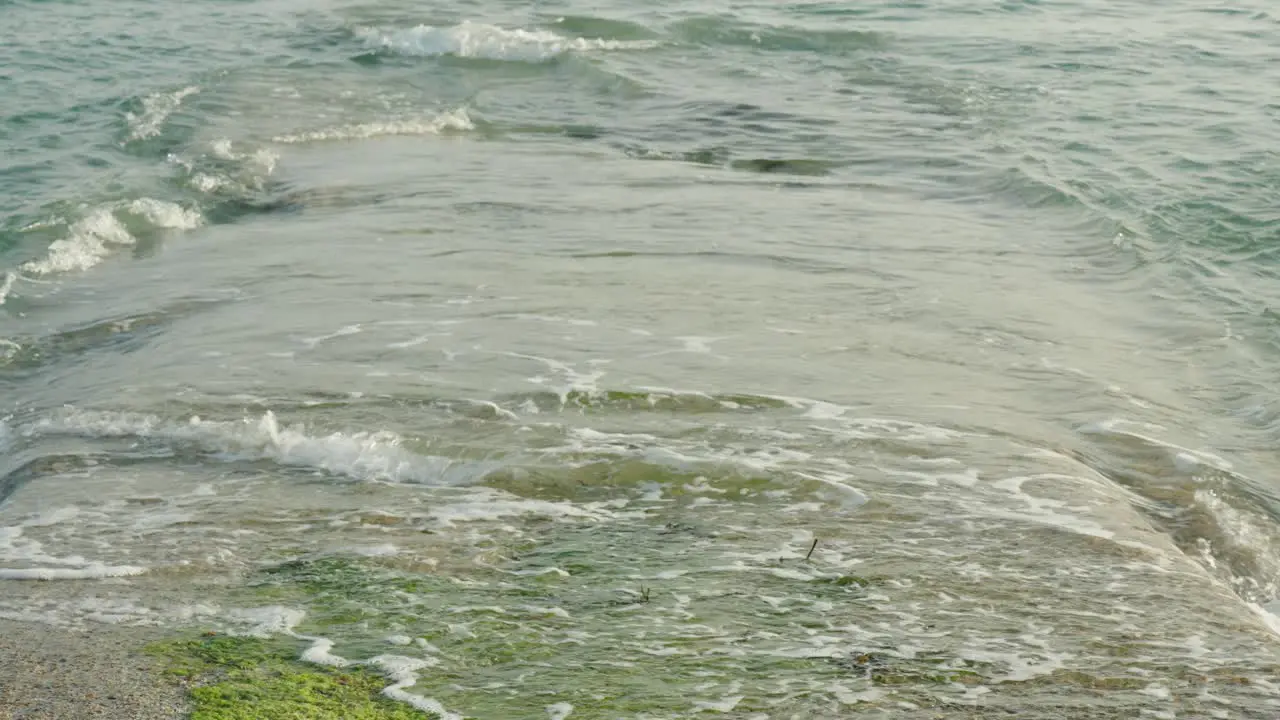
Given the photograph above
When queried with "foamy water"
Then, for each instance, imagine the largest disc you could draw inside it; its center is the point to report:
(91, 239)
(360, 456)
(448, 121)
(155, 110)
(480, 40)
(653, 361)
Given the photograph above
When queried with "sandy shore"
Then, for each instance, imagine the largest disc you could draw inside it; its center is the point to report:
(52, 674)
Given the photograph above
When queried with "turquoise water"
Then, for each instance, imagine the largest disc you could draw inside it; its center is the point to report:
(538, 344)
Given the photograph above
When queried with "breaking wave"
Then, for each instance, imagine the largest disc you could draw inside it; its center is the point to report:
(478, 40)
(455, 120)
(91, 239)
(374, 456)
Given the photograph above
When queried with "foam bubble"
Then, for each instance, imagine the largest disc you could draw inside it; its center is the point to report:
(456, 120)
(156, 108)
(477, 40)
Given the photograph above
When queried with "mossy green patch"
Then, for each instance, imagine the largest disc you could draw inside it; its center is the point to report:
(237, 678)
(657, 615)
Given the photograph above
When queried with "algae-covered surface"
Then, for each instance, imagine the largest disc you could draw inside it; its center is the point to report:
(746, 570)
(245, 678)
(683, 601)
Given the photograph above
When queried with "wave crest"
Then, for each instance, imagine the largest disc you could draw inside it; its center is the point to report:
(455, 120)
(477, 40)
(376, 456)
(90, 239)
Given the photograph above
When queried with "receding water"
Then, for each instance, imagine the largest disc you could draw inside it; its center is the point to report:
(602, 360)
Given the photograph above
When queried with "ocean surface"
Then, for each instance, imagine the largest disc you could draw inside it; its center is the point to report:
(592, 359)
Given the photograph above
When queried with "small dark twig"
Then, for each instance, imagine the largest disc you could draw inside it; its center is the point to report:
(644, 593)
(812, 547)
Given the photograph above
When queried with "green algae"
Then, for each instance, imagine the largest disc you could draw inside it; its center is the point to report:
(654, 617)
(242, 678)
(518, 638)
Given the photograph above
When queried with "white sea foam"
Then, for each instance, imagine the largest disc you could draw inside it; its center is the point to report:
(6, 286)
(1156, 691)
(1021, 668)
(360, 455)
(383, 550)
(90, 239)
(403, 672)
(723, 705)
(319, 653)
(455, 120)
(209, 183)
(1044, 511)
(53, 517)
(247, 171)
(478, 40)
(848, 697)
(113, 610)
(559, 711)
(32, 563)
(494, 505)
(268, 620)
(847, 495)
(1184, 459)
(166, 215)
(664, 452)
(92, 571)
(156, 108)
(1268, 614)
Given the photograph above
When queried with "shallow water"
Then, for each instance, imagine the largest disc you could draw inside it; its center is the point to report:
(538, 344)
